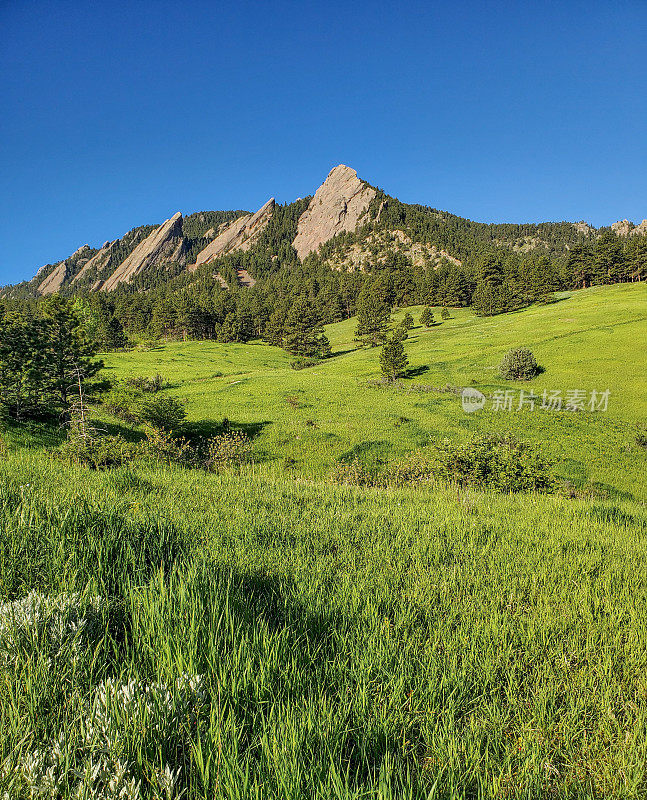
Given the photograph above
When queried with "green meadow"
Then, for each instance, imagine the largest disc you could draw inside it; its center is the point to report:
(263, 632)
(590, 340)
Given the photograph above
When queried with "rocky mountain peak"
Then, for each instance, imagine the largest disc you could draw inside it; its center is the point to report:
(338, 205)
(626, 227)
(238, 235)
(165, 243)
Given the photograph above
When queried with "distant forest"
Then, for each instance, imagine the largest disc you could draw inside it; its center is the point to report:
(502, 268)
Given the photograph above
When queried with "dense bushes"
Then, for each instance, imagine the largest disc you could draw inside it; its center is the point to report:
(502, 463)
(495, 462)
(164, 412)
(519, 364)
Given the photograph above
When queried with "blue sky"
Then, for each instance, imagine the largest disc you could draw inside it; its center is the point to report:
(119, 114)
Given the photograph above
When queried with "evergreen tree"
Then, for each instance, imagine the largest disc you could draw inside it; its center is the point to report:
(407, 321)
(303, 332)
(393, 359)
(68, 351)
(427, 317)
(373, 316)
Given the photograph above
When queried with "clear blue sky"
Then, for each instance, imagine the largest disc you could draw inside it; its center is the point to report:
(119, 114)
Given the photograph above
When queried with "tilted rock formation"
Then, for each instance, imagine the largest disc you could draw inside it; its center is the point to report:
(54, 280)
(238, 235)
(626, 228)
(59, 275)
(98, 260)
(338, 205)
(165, 243)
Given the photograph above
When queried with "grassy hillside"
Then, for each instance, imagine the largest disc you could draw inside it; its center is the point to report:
(593, 339)
(263, 633)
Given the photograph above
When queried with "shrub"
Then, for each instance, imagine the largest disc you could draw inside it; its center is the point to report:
(415, 468)
(165, 413)
(518, 365)
(352, 473)
(444, 314)
(407, 321)
(161, 446)
(495, 462)
(149, 385)
(303, 363)
(100, 452)
(228, 450)
(121, 401)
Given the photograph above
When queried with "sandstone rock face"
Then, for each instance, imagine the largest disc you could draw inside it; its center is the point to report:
(98, 260)
(238, 235)
(165, 243)
(338, 205)
(583, 227)
(59, 275)
(626, 228)
(622, 227)
(54, 280)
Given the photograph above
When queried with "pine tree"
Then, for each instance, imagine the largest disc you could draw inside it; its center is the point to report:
(427, 317)
(393, 359)
(407, 321)
(69, 353)
(373, 316)
(303, 332)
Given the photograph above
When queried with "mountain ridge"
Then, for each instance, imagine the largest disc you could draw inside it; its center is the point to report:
(339, 224)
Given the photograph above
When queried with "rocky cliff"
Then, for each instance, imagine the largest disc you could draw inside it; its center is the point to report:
(238, 235)
(55, 279)
(338, 205)
(626, 228)
(165, 243)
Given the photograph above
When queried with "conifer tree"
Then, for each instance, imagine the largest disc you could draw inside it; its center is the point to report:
(303, 332)
(393, 359)
(373, 316)
(427, 317)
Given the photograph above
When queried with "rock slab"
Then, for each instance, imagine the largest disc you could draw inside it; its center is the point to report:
(338, 205)
(165, 243)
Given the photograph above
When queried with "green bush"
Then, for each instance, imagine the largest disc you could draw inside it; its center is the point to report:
(415, 468)
(121, 401)
(518, 365)
(99, 452)
(163, 412)
(228, 450)
(352, 473)
(495, 462)
(444, 314)
(161, 446)
(302, 362)
(149, 385)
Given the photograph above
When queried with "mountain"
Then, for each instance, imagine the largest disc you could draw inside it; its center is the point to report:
(348, 225)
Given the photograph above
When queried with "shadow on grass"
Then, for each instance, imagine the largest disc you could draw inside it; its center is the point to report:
(414, 372)
(207, 428)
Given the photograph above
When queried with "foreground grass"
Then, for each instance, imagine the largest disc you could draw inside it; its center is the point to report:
(353, 642)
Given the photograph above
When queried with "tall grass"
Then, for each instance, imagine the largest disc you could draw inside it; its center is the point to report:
(349, 642)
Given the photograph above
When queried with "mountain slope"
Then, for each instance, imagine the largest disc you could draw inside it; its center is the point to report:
(348, 225)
